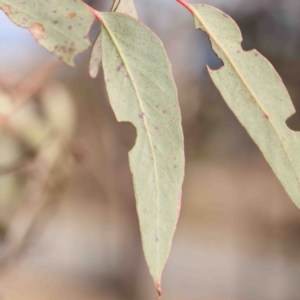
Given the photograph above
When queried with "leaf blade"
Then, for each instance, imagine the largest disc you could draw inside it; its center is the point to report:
(132, 55)
(60, 28)
(255, 93)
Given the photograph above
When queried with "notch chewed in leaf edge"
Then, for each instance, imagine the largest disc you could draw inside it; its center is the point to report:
(255, 93)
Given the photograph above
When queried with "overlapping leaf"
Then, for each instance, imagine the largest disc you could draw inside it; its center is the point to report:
(60, 26)
(142, 91)
(96, 57)
(122, 6)
(255, 93)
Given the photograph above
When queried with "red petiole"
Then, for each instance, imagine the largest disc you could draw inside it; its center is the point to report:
(186, 5)
(94, 12)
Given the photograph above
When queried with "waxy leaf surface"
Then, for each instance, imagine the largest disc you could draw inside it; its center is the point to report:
(122, 6)
(256, 94)
(142, 91)
(60, 26)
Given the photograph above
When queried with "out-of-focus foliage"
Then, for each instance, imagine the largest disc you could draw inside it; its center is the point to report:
(35, 135)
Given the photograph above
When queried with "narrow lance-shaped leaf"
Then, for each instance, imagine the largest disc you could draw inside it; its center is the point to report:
(255, 93)
(142, 91)
(122, 6)
(60, 26)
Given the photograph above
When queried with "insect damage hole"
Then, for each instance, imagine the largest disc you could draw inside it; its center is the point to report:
(126, 134)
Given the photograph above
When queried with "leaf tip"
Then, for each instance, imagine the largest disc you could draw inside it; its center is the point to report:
(93, 73)
(158, 288)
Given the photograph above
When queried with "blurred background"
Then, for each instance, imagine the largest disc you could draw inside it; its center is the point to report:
(77, 237)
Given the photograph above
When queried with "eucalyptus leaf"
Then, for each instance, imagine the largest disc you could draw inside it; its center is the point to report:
(255, 93)
(121, 6)
(142, 91)
(61, 27)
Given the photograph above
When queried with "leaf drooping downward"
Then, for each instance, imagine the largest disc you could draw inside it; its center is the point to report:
(255, 93)
(61, 26)
(122, 6)
(142, 91)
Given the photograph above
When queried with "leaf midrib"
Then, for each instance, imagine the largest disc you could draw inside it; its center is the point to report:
(146, 127)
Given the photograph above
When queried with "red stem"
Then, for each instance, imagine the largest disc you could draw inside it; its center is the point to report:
(158, 288)
(186, 5)
(93, 11)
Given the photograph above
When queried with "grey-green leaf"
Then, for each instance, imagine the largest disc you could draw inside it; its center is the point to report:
(60, 26)
(256, 94)
(121, 6)
(142, 91)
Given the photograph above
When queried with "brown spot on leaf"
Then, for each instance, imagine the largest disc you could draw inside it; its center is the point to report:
(118, 69)
(71, 15)
(141, 115)
(6, 9)
(267, 116)
(37, 30)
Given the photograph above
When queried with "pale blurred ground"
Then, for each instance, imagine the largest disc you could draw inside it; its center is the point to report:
(238, 236)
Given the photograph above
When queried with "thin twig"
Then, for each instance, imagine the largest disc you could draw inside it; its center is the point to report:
(117, 6)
